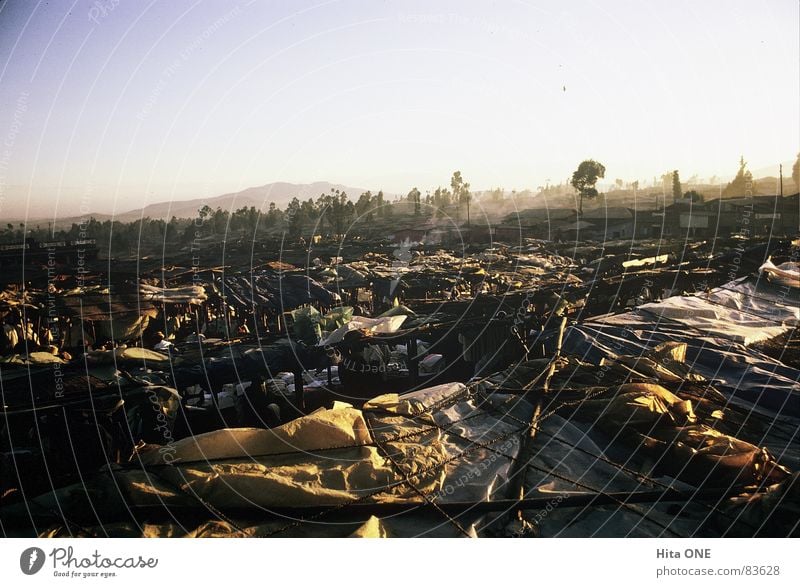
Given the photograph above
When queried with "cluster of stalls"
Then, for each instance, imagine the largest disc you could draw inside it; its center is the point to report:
(512, 391)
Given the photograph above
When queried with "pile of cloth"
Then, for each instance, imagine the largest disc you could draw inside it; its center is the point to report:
(190, 294)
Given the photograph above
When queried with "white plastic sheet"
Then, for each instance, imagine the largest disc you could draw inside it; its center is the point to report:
(384, 325)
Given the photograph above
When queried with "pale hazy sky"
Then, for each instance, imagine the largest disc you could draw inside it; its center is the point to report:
(117, 103)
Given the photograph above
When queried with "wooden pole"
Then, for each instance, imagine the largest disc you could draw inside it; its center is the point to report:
(413, 360)
(298, 390)
(526, 448)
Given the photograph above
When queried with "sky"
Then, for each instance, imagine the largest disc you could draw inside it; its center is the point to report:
(107, 105)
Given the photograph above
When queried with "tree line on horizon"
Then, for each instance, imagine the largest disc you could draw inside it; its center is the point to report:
(330, 213)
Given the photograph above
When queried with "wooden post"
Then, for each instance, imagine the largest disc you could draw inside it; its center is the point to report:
(413, 360)
(298, 390)
(525, 454)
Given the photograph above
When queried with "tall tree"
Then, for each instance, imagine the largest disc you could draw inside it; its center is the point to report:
(461, 193)
(584, 180)
(379, 204)
(339, 211)
(441, 197)
(742, 184)
(364, 206)
(677, 192)
(796, 172)
(293, 218)
(204, 212)
(272, 215)
(413, 196)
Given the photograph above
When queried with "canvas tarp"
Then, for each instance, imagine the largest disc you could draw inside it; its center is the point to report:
(372, 325)
(716, 332)
(449, 443)
(190, 294)
(786, 274)
(327, 458)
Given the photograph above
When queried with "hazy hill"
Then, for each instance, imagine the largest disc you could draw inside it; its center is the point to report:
(483, 204)
(279, 192)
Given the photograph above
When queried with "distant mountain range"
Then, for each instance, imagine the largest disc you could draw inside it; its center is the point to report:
(279, 192)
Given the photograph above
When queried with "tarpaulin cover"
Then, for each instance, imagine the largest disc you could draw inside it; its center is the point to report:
(35, 358)
(715, 336)
(787, 274)
(190, 294)
(372, 325)
(327, 458)
(278, 291)
(306, 326)
(446, 442)
(282, 466)
(336, 318)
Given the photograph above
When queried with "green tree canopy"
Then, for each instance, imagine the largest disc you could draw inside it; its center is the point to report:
(584, 180)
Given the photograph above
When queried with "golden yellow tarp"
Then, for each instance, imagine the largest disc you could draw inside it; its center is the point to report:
(325, 458)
